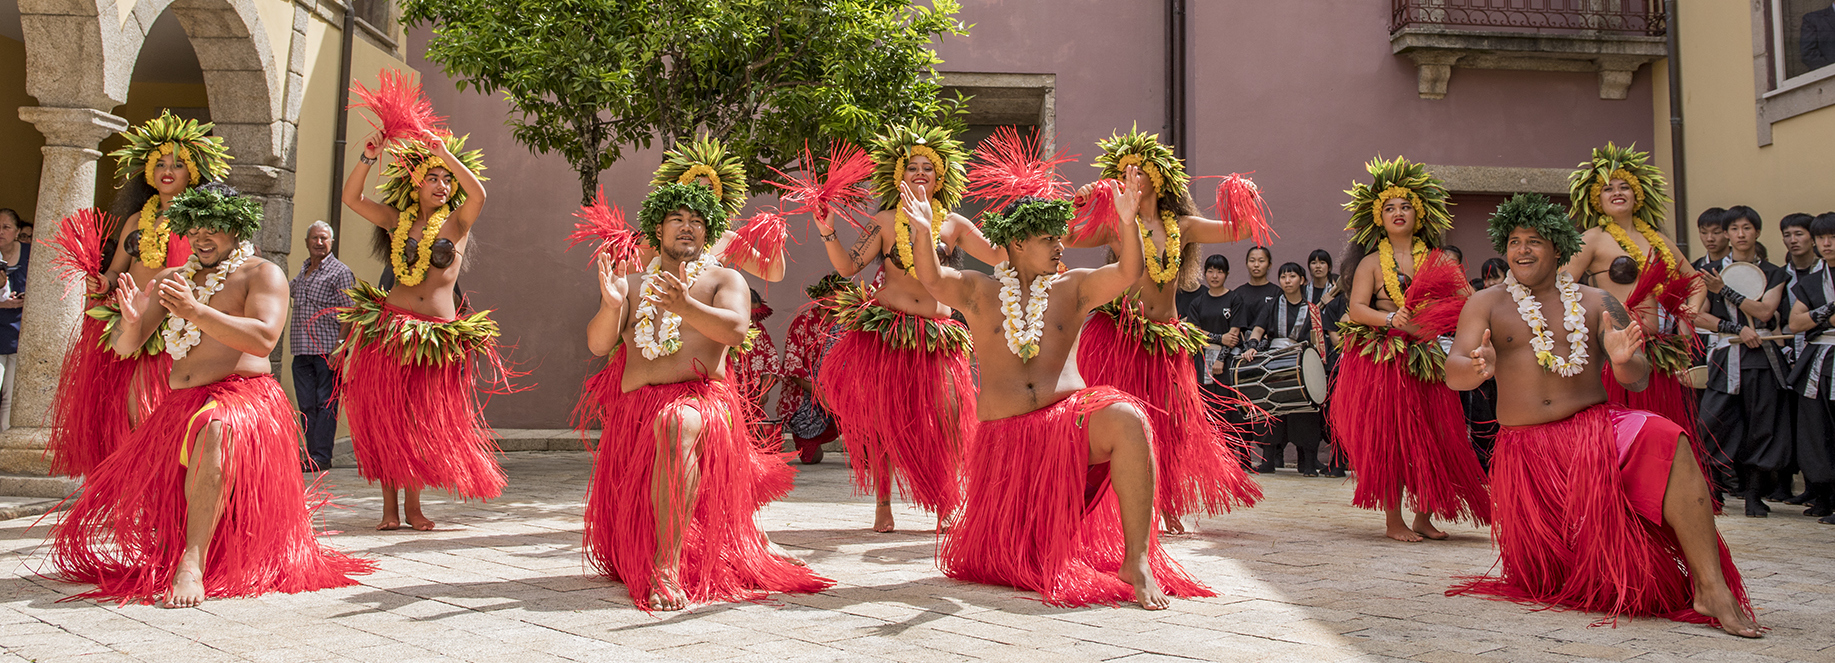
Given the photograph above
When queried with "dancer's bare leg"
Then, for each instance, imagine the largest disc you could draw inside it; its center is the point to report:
(391, 514)
(1424, 526)
(675, 481)
(1690, 512)
(1396, 528)
(882, 477)
(1118, 436)
(204, 496)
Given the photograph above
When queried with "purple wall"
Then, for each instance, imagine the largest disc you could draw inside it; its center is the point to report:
(1302, 92)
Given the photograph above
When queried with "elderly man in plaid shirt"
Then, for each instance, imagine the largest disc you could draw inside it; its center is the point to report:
(315, 331)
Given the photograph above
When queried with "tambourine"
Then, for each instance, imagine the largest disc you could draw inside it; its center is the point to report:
(1744, 278)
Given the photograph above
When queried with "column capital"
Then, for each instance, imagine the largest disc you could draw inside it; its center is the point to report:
(81, 128)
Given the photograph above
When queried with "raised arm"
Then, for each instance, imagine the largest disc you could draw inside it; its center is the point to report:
(467, 213)
(947, 284)
(961, 233)
(849, 261)
(1473, 358)
(606, 328)
(1199, 230)
(264, 311)
(1109, 281)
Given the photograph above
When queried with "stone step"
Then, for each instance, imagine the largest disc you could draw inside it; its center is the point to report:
(25, 495)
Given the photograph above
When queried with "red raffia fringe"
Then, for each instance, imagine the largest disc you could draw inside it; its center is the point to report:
(723, 552)
(1437, 295)
(1240, 204)
(79, 246)
(758, 242)
(1405, 435)
(605, 223)
(100, 396)
(915, 408)
(1666, 289)
(402, 110)
(1038, 516)
(1007, 167)
(1579, 520)
(126, 532)
(835, 189)
(1197, 453)
(1096, 218)
(421, 425)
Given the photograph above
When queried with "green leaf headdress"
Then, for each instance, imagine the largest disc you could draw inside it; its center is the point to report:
(408, 165)
(215, 207)
(705, 156)
(1028, 217)
(1612, 163)
(1535, 212)
(202, 154)
(893, 149)
(1145, 151)
(671, 197)
(1397, 179)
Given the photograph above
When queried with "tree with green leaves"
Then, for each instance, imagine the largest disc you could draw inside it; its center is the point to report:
(591, 78)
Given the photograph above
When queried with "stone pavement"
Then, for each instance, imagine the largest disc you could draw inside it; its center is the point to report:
(1303, 577)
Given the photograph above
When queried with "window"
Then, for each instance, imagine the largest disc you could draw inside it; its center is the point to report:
(1803, 41)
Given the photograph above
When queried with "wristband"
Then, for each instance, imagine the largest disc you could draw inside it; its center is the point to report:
(828, 237)
(1821, 314)
(366, 159)
(1730, 327)
(1390, 321)
(1734, 299)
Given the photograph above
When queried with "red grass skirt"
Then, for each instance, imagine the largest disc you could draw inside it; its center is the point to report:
(723, 553)
(1666, 397)
(1406, 435)
(1040, 517)
(415, 425)
(126, 532)
(1580, 519)
(90, 416)
(1196, 451)
(914, 406)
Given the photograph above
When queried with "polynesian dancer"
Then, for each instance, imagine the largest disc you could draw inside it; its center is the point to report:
(206, 498)
(1060, 490)
(899, 381)
(677, 476)
(408, 379)
(1618, 204)
(1402, 428)
(1138, 344)
(1597, 507)
(102, 397)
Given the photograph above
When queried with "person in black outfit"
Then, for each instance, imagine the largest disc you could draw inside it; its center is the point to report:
(1813, 377)
(1330, 313)
(1319, 268)
(1213, 308)
(1287, 323)
(1740, 413)
(1817, 38)
(1251, 299)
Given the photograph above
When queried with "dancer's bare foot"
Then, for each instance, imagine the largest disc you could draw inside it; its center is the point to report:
(666, 593)
(1146, 589)
(1718, 603)
(882, 517)
(1398, 530)
(778, 551)
(1171, 524)
(389, 524)
(420, 523)
(1425, 527)
(187, 587)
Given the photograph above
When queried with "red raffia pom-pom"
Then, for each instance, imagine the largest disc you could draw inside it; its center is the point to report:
(1007, 167)
(79, 246)
(605, 223)
(401, 108)
(1240, 204)
(1096, 217)
(760, 241)
(1437, 295)
(837, 189)
(1662, 288)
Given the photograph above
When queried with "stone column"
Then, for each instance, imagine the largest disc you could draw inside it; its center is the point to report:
(66, 183)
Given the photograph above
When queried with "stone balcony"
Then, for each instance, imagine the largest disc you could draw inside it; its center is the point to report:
(1612, 38)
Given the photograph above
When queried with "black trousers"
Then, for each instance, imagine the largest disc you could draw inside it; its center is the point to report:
(1748, 431)
(1815, 447)
(1481, 417)
(313, 387)
(1303, 430)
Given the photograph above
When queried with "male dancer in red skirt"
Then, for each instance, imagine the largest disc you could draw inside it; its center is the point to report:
(220, 449)
(677, 475)
(1038, 513)
(1596, 506)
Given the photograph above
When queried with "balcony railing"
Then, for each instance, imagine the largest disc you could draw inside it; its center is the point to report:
(1631, 17)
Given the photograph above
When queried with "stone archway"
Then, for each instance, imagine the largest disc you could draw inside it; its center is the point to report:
(80, 57)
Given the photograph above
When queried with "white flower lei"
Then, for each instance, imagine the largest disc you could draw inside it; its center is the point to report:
(1573, 319)
(182, 335)
(1023, 329)
(645, 330)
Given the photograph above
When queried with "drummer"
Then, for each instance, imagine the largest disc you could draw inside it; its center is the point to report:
(1741, 412)
(1289, 323)
(1214, 308)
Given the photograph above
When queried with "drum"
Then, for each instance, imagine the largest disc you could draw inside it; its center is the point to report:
(1696, 377)
(1283, 382)
(1744, 278)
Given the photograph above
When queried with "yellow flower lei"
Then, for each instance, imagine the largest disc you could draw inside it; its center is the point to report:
(1637, 189)
(184, 156)
(1162, 271)
(154, 233)
(902, 226)
(1392, 284)
(703, 170)
(1650, 235)
(412, 276)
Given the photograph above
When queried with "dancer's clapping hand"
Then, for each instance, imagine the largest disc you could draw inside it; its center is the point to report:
(127, 298)
(175, 295)
(1622, 343)
(915, 202)
(671, 290)
(1128, 193)
(612, 285)
(1484, 356)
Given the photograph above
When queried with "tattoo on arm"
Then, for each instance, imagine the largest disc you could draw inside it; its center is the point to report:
(869, 235)
(1620, 316)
